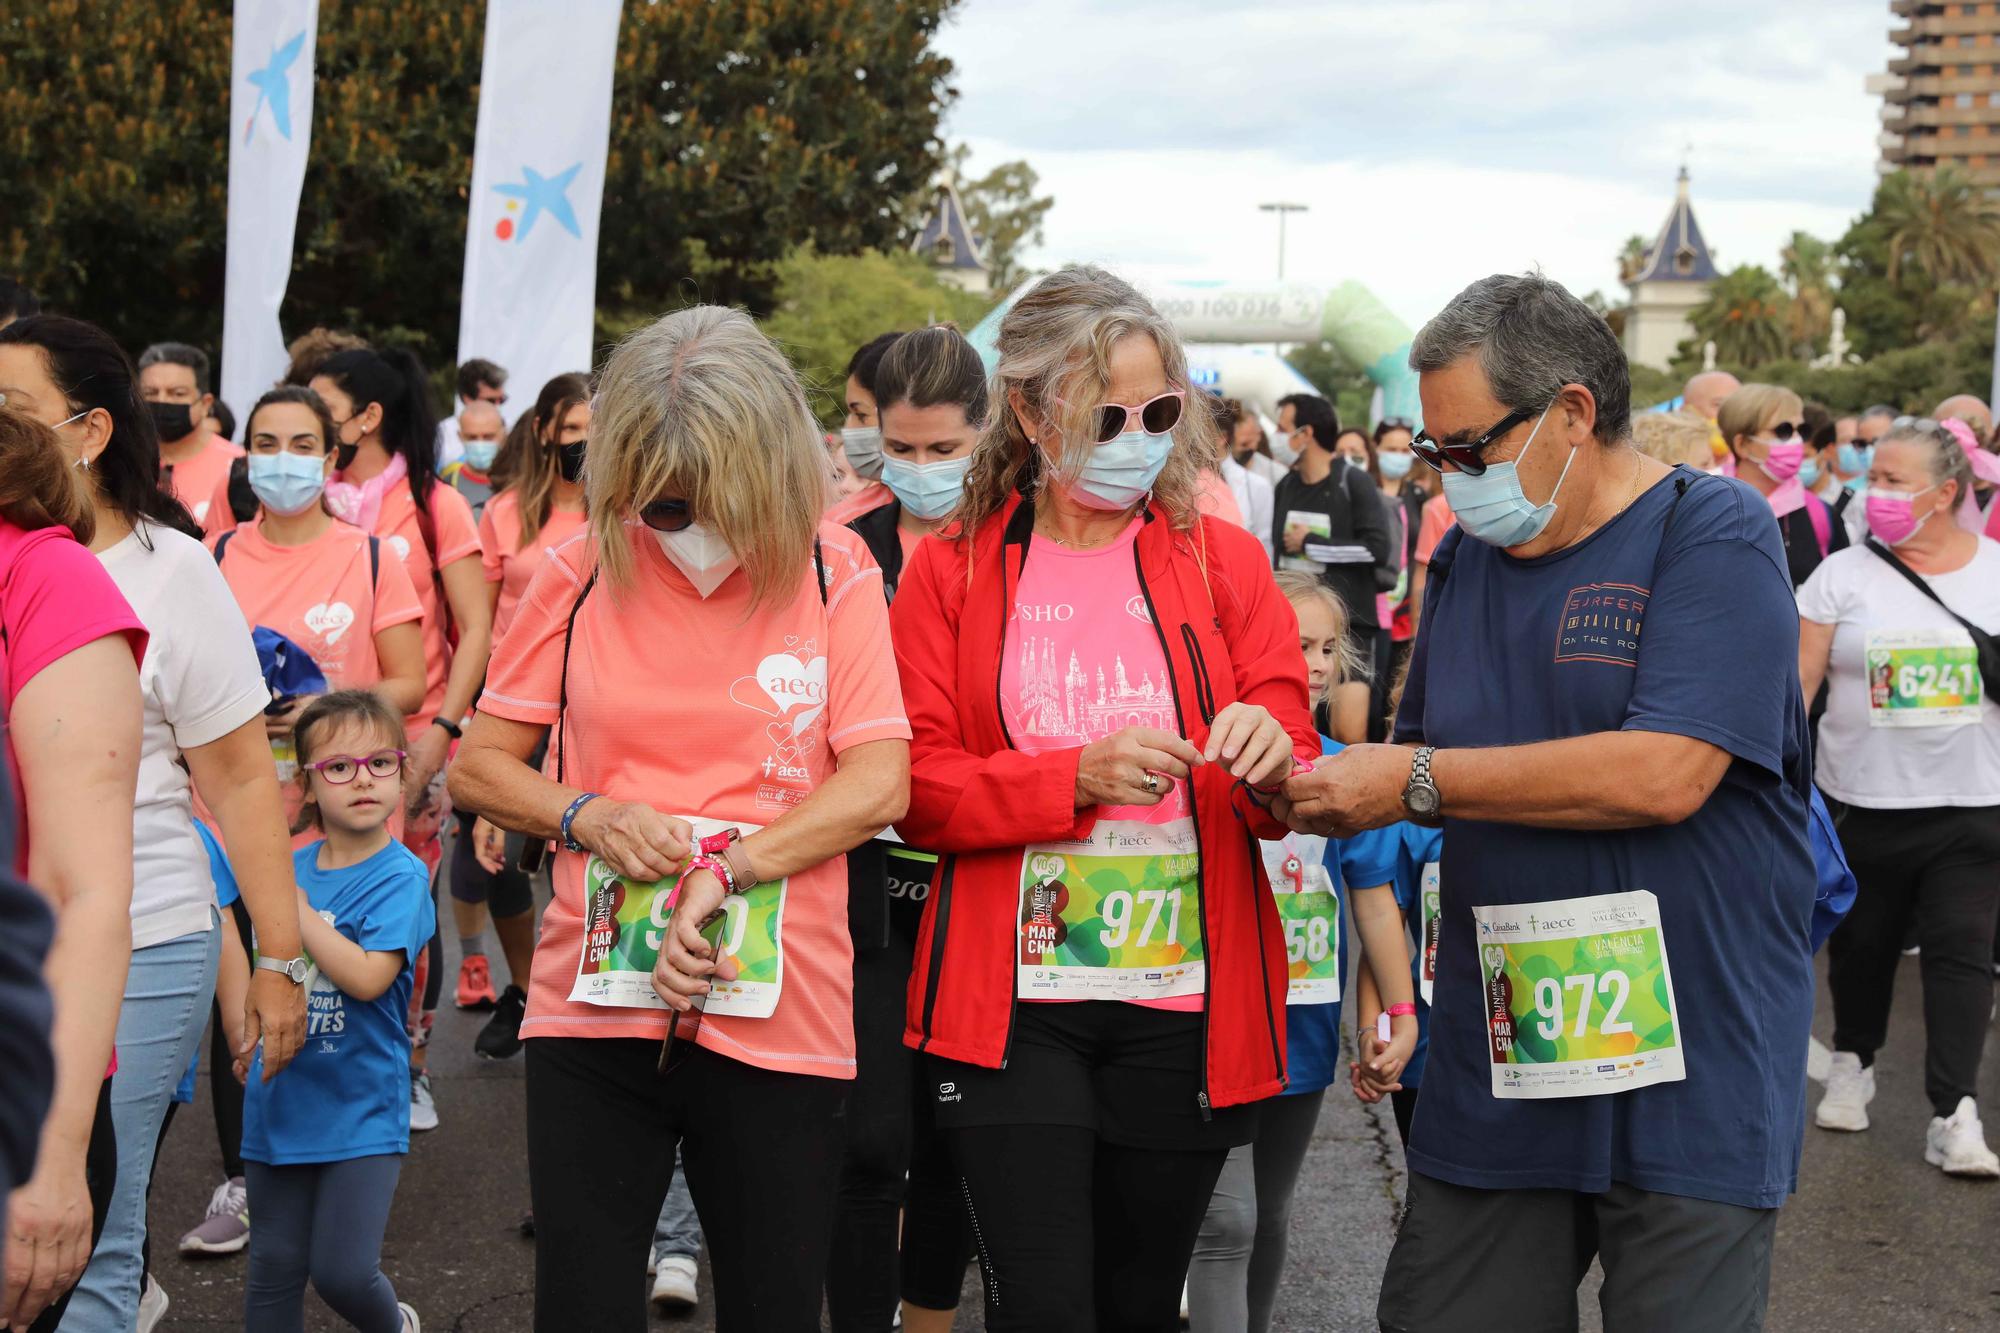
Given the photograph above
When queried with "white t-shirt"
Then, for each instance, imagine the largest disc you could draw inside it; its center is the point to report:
(1902, 730)
(1254, 498)
(201, 681)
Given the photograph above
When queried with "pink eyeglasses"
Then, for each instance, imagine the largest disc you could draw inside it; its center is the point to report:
(1156, 416)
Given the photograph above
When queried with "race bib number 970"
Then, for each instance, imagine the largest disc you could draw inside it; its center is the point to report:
(1579, 996)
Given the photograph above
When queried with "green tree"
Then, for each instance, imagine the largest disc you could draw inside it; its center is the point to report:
(1891, 297)
(828, 305)
(1808, 268)
(1006, 213)
(1940, 224)
(1745, 316)
(1337, 379)
(1631, 257)
(738, 132)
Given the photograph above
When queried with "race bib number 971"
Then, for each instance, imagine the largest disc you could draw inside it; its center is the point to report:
(1115, 917)
(1579, 996)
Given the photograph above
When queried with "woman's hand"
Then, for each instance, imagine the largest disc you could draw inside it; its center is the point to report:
(489, 846)
(427, 755)
(1113, 771)
(1381, 1063)
(48, 1239)
(634, 839)
(1254, 744)
(687, 960)
(278, 725)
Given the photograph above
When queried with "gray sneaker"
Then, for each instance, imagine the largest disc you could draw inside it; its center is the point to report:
(423, 1106)
(226, 1228)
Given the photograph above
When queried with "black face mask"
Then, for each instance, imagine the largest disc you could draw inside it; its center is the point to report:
(174, 421)
(569, 459)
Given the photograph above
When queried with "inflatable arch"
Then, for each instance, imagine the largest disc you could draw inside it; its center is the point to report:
(1229, 327)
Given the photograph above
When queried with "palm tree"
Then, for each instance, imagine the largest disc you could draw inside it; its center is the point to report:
(1746, 316)
(1631, 257)
(1941, 225)
(1808, 270)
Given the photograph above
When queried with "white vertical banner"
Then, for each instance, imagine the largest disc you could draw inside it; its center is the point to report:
(530, 289)
(270, 129)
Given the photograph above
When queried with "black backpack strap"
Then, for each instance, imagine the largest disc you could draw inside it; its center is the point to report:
(819, 569)
(562, 688)
(374, 561)
(222, 544)
(1922, 585)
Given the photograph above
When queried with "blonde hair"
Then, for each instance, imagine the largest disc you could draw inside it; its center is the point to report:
(1743, 412)
(1301, 588)
(1056, 344)
(1673, 438)
(700, 404)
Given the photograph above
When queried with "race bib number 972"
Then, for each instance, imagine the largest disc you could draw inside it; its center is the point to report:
(1579, 996)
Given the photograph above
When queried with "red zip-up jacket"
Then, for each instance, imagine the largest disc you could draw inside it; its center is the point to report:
(1227, 634)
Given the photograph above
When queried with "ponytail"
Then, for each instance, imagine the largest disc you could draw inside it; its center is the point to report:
(396, 380)
(38, 486)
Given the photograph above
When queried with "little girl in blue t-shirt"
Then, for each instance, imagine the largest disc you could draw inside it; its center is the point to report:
(323, 1142)
(1239, 1255)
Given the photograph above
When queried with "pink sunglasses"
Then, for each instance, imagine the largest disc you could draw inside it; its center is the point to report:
(1156, 416)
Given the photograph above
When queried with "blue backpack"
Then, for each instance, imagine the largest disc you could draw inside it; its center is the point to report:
(1835, 882)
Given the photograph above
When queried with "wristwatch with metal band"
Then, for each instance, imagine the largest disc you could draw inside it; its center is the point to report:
(1421, 797)
(295, 968)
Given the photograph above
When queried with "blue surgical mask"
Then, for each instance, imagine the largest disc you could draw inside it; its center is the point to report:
(1121, 472)
(1395, 466)
(928, 490)
(1856, 458)
(479, 455)
(1809, 473)
(1492, 506)
(863, 445)
(287, 483)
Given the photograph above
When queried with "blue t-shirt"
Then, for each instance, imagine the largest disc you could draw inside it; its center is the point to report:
(347, 1093)
(1396, 855)
(1690, 629)
(1312, 1031)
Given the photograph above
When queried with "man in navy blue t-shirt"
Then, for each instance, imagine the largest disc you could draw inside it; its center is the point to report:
(1604, 700)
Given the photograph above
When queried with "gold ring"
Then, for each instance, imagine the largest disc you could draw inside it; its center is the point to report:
(1153, 784)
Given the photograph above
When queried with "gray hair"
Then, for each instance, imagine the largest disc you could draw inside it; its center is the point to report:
(1881, 410)
(1944, 457)
(178, 354)
(1532, 337)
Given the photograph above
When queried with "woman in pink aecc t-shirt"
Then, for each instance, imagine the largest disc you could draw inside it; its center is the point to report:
(707, 657)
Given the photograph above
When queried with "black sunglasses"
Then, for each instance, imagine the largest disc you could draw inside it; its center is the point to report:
(666, 515)
(1785, 431)
(1465, 457)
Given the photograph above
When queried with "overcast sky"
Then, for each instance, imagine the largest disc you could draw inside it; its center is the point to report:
(1435, 141)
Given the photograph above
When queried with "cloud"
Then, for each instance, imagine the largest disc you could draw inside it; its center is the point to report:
(1434, 141)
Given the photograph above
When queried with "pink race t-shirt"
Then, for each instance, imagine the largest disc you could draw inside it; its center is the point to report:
(713, 707)
(1081, 661)
(457, 538)
(55, 597)
(196, 482)
(1217, 500)
(510, 562)
(1438, 519)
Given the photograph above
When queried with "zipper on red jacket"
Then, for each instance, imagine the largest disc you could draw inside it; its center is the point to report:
(1264, 965)
(1201, 899)
(1000, 712)
(940, 923)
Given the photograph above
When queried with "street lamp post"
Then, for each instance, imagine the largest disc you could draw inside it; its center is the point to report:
(1281, 210)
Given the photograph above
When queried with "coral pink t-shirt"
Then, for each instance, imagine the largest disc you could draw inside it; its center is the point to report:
(866, 500)
(1082, 661)
(55, 597)
(457, 538)
(1216, 499)
(1438, 519)
(318, 595)
(506, 560)
(201, 478)
(712, 707)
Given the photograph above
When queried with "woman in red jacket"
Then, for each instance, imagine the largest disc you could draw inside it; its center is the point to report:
(1098, 681)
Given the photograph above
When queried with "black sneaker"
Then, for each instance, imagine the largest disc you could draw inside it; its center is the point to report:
(500, 1039)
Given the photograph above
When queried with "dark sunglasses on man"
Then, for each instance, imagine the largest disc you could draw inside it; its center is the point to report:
(1463, 455)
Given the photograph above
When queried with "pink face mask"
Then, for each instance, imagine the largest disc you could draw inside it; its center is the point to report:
(1784, 460)
(1892, 514)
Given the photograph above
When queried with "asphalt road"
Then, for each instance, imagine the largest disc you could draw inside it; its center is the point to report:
(1875, 1239)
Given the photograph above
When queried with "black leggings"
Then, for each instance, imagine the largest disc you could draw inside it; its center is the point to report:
(1081, 1235)
(509, 893)
(1938, 868)
(762, 1154)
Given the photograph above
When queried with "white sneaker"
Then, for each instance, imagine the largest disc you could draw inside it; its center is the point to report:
(411, 1324)
(423, 1106)
(673, 1283)
(1818, 1060)
(1849, 1089)
(152, 1305)
(1957, 1146)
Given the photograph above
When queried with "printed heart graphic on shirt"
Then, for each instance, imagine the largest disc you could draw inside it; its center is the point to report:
(401, 546)
(1045, 868)
(789, 690)
(330, 620)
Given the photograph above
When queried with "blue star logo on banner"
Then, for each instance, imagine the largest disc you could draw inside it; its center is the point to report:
(274, 86)
(539, 194)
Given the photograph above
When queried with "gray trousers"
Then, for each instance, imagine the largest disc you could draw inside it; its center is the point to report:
(324, 1222)
(1472, 1260)
(1239, 1256)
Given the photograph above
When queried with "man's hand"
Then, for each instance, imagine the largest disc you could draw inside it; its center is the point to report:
(275, 1013)
(1359, 788)
(687, 961)
(634, 839)
(1113, 771)
(48, 1237)
(1295, 539)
